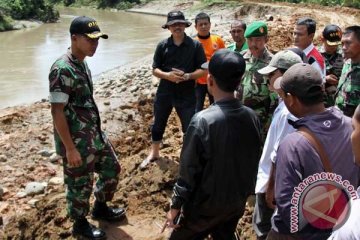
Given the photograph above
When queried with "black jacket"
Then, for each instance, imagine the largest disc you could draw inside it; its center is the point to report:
(219, 159)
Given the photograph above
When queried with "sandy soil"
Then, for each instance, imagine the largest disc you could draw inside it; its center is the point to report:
(124, 96)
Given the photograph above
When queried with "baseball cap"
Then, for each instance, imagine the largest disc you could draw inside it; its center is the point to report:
(87, 26)
(225, 65)
(283, 60)
(256, 29)
(332, 34)
(176, 17)
(301, 80)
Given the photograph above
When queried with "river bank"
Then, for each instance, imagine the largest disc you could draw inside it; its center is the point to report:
(124, 96)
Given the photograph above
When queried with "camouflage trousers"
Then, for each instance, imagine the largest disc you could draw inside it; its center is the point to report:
(79, 181)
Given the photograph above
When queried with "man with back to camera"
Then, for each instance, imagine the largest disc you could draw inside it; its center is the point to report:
(348, 92)
(334, 61)
(279, 128)
(237, 30)
(211, 43)
(177, 62)
(78, 137)
(218, 160)
(304, 33)
(298, 158)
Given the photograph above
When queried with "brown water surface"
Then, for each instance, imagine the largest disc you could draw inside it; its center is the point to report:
(27, 55)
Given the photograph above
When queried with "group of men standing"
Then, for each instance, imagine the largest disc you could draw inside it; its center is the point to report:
(247, 86)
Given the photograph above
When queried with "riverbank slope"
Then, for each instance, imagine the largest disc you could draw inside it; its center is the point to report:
(124, 96)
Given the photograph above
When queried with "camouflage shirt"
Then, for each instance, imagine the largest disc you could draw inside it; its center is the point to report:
(348, 96)
(256, 94)
(71, 83)
(334, 64)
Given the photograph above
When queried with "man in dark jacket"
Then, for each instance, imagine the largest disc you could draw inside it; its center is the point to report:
(219, 158)
(311, 193)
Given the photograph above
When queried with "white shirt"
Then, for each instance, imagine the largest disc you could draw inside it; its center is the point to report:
(315, 64)
(279, 128)
(351, 229)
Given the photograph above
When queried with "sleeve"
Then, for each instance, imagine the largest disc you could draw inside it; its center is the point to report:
(158, 56)
(293, 153)
(221, 43)
(60, 85)
(200, 56)
(283, 128)
(190, 165)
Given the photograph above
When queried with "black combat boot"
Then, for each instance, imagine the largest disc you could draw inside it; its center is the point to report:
(84, 230)
(102, 212)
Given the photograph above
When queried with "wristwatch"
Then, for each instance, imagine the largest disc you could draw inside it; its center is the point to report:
(187, 76)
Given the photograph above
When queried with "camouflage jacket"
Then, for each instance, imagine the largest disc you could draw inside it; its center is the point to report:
(333, 63)
(71, 83)
(256, 94)
(348, 95)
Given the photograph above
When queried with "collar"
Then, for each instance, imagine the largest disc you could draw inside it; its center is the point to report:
(72, 57)
(185, 41)
(203, 37)
(308, 49)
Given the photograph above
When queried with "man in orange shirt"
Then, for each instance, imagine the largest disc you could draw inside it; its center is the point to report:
(211, 43)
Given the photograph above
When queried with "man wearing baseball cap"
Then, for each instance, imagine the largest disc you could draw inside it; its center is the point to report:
(279, 128)
(219, 158)
(301, 88)
(334, 61)
(255, 92)
(177, 62)
(78, 136)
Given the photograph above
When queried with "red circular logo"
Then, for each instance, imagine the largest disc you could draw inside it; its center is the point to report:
(325, 205)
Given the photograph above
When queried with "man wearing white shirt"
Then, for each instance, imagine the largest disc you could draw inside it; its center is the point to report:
(279, 128)
(304, 33)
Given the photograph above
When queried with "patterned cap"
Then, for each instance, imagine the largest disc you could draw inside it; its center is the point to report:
(256, 29)
(87, 26)
(332, 34)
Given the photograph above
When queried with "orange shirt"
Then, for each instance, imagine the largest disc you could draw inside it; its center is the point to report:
(210, 45)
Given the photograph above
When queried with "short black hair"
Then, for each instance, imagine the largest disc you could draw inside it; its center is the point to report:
(201, 15)
(353, 29)
(229, 84)
(309, 23)
(239, 22)
(315, 99)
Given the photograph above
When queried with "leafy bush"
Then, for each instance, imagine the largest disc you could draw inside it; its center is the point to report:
(29, 9)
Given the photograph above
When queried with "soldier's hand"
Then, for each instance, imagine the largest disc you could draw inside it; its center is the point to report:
(73, 158)
(332, 79)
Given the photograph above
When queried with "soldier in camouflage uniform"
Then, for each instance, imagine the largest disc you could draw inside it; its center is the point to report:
(78, 136)
(334, 61)
(255, 91)
(348, 92)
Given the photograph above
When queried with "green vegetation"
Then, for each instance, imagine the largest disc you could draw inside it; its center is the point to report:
(118, 4)
(25, 9)
(28, 9)
(345, 3)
